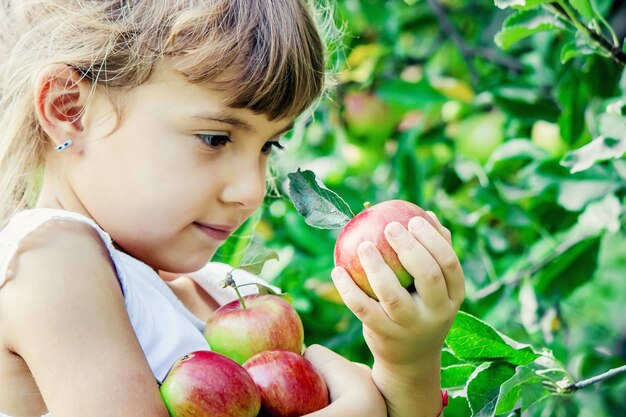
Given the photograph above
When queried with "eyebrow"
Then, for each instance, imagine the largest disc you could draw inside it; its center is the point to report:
(226, 118)
(229, 119)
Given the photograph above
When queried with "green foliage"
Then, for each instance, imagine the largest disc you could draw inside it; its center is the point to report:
(508, 120)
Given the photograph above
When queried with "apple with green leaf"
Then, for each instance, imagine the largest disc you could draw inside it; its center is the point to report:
(208, 384)
(324, 209)
(289, 384)
(252, 324)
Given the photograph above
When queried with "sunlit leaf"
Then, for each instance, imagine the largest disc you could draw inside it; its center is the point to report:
(519, 4)
(599, 149)
(474, 340)
(523, 24)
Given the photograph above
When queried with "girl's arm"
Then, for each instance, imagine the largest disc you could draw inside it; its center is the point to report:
(404, 331)
(63, 312)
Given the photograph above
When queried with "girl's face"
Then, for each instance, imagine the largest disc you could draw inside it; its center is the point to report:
(176, 174)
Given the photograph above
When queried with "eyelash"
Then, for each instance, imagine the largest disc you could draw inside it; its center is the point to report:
(208, 139)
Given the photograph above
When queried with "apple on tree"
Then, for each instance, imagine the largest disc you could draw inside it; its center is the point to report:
(253, 324)
(208, 384)
(324, 209)
(289, 384)
(370, 225)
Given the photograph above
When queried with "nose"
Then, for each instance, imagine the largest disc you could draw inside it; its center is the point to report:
(245, 185)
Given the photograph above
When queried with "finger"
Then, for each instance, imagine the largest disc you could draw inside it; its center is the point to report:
(394, 298)
(365, 308)
(443, 254)
(417, 260)
(445, 232)
(327, 363)
(339, 373)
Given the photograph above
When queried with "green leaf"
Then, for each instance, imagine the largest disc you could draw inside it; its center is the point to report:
(569, 270)
(411, 2)
(602, 215)
(600, 149)
(233, 251)
(575, 48)
(523, 24)
(408, 95)
(254, 259)
(472, 339)
(456, 376)
(519, 4)
(320, 207)
(583, 7)
(483, 387)
(511, 390)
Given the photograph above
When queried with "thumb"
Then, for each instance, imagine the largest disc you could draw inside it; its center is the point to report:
(334, 368)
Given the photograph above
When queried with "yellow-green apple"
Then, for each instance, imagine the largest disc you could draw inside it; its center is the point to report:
(255, 323)
(369, 225)
(289, 384)
(208, 384)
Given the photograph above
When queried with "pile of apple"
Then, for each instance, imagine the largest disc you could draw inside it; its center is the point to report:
(256, 365)
(254, 368)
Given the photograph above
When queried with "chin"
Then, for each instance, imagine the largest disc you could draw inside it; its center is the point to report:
(186, 266)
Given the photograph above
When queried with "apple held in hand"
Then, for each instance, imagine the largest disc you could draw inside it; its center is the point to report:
(207, 384)
(370, 225)
(289, 384)
(261, 322)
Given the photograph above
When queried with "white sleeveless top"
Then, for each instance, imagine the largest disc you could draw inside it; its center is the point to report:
(166, 329)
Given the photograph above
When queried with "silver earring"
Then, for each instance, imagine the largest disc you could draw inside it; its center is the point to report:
(64, 145)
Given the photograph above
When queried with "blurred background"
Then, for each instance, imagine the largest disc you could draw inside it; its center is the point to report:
(437, 104)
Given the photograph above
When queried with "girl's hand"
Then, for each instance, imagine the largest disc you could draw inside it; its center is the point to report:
(402, 328)
(352, 390)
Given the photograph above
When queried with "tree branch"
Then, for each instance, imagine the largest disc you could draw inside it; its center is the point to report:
(469, 52)
(563, 11)
(598, 378)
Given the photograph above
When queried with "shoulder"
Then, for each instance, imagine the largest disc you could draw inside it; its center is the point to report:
(53, 263)
(63, 312)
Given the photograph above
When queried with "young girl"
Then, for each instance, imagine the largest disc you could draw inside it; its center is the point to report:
(135, 138)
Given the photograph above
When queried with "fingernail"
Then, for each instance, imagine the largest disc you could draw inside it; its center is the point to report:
(394, 229)
(367, 248)
(416, 223)
(337, 274)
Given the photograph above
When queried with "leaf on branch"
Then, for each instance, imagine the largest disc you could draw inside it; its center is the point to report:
(320, 207)
(523, 24)
(254, 260)
(583, 7)
(511, 390)
(519, 4)
(472, 339)
(600, 149)
(454, 377)
(576, 48)
(483, 387)
(234, 250)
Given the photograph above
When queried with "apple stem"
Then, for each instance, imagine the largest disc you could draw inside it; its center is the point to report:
(366, 205)
(233, 285)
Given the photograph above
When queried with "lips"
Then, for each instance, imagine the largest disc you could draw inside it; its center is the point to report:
(216, 231)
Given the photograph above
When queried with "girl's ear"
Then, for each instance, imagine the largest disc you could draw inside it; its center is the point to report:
(61, 94)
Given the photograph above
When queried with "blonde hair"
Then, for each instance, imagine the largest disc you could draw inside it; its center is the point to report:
(276, 49)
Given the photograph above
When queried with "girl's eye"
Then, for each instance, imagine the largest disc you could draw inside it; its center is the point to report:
(213, 141)
(267, 148)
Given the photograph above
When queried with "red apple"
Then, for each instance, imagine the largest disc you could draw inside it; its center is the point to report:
(289, 384)
(266, 323)
(370, 225)
(207, 384)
